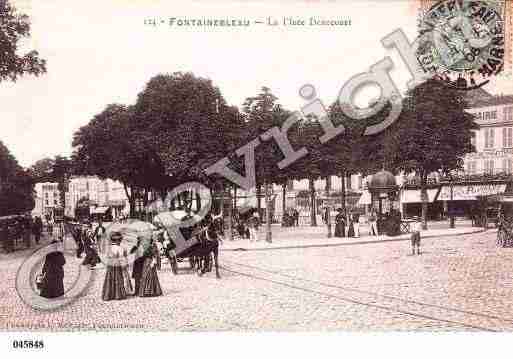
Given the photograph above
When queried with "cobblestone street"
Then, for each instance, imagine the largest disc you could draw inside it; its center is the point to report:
(461, 283)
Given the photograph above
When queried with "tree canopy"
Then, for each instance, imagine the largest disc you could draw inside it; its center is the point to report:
(13, 28)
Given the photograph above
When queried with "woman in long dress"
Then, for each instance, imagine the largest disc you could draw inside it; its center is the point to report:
(350, 229)
(53, 274)
(116, 285)
(149, 285)
(340, 224)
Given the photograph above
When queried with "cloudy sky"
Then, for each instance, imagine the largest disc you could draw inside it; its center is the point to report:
(101, 52)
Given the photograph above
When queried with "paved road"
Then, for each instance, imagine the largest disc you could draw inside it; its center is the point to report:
(459, 283)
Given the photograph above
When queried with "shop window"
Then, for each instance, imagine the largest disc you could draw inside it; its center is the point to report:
(508, 113)
(489, 167)
(507, 165)
(489, 137)
(507, 137)
(471, 167)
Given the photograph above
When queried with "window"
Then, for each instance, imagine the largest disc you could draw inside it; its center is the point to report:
(46, 194)
(507, 137)
(473, 139)
(55, 202)
(489, 167)
(360, 182)
(46, 202)
(471, 167)
(507, 165)
(489, 137)
(508, 113)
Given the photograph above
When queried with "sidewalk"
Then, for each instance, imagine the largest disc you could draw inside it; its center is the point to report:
(308, 237)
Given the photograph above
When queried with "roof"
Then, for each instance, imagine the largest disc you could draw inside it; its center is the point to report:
(477, 96)
(490, 100)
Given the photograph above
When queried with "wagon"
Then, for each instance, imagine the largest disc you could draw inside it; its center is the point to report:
(170, 222)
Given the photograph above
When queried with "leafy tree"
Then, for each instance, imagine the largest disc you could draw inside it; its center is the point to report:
(42, 170)
(16, 185)
(110, 147)
(432, 134)
(13, 28)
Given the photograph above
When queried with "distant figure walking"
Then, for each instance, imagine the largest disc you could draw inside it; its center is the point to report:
(356, 224)
(340, 224)
(91, 259)
(52, 285)
(37, 229)
(254, 223)
(373, 223)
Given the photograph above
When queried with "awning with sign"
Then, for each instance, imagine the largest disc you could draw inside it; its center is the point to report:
(415, 195)
(99, 210)
(365, 198)
(469, 192)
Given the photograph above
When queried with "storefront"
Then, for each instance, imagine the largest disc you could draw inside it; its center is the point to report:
(411, 203)
(462, 199)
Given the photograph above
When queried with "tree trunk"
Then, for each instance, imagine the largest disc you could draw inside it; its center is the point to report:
(328, 207)
(284, 199)
(235, 199)
(424, 198)
(129, 192)
(230, 215)
(313, 204)
(259, 199)
(198, 201)
(268, 218)
(343, 192)
(221, 209)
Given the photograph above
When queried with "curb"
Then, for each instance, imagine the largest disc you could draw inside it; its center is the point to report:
(240, 249)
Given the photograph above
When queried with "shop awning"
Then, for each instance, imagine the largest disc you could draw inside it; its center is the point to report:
(470, 192)
(414, 195)
(365, 198)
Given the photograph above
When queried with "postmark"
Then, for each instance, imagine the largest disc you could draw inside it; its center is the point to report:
(462, 42)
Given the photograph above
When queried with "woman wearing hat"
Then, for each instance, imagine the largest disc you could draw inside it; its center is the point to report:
(117, 283)
(340, 223)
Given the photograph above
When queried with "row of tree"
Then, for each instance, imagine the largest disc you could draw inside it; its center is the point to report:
(181, 124)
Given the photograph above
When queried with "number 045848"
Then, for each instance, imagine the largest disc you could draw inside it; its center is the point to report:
(28, 344)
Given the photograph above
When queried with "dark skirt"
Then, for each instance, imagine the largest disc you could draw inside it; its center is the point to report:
(53, 286)
(92, 257)
(350, 230)
(114, 284)
(149, 285)
(340, 230)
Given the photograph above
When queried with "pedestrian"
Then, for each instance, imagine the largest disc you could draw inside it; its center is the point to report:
(295, 216)
(49, 224)
(415, 236)
(149, 285)
(373, 223)
(350, 227)
(340, 224)
(356, 223)
(117, 284)
(26, 224)
(138, 264)
(91, 259)
(99, 231)
(254, 223)
(52, 284)
(37, 229)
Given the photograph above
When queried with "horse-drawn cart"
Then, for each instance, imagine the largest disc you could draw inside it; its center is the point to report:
(184, 232)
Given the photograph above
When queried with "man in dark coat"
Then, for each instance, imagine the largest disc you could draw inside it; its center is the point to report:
(138, 266)
(37, 229)
(53, 273)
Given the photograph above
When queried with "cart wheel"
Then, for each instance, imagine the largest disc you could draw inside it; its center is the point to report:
(174, 265)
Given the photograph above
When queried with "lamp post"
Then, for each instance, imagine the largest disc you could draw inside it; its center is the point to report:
(451, 213)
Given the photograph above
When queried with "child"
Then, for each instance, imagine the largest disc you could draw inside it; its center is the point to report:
(415, 236)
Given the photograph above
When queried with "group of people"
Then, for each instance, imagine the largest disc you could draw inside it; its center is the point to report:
(20, 229)
(247, 226)
(290, 218)
(118, 282)
(348, 225)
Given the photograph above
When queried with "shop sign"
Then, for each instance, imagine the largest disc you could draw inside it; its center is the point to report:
(470, 192)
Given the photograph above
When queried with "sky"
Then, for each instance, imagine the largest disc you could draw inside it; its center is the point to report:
(100, 52)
